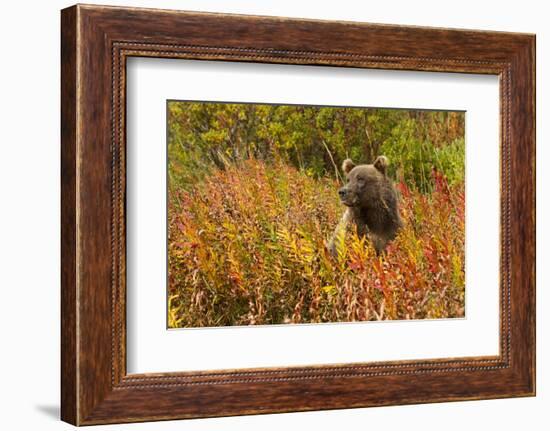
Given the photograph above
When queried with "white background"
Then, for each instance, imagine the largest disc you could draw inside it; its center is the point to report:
(151, 348)
(29, 216)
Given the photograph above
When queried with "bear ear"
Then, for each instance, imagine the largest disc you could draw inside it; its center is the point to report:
(347, 166)
(381, 163)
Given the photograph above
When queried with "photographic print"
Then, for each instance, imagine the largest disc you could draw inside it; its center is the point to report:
(284, 214)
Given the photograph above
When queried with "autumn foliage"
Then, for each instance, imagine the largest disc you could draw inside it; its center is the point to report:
(247, 245)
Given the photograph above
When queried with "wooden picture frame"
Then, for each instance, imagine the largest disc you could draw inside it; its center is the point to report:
(95, 43)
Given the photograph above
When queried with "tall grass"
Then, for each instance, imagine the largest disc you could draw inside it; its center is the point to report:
(247, 246)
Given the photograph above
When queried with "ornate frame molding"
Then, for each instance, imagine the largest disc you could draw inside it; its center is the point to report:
(96, 41)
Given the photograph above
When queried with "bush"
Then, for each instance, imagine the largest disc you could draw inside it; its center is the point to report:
(313, 139)
(412, 160)
(247, 246)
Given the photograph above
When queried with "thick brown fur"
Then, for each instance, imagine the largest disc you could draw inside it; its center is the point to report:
(372, 203)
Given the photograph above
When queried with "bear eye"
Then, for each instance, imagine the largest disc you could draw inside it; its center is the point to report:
(360, 180)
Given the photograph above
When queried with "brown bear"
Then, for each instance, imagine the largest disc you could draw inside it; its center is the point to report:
(372, 203)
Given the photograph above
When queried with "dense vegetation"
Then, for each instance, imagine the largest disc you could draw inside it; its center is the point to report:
(252, 202)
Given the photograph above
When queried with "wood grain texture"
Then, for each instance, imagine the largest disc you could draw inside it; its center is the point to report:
(69, 367)
(96, 41)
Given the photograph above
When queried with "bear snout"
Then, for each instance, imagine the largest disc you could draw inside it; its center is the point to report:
(342, 192)
(347, 197)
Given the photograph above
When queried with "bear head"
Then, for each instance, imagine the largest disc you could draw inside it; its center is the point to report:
(363, 182)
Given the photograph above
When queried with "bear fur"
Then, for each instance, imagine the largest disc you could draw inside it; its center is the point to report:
(372, 203)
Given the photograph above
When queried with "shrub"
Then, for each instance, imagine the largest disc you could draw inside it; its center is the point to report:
(205, 136)
(247, 246)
